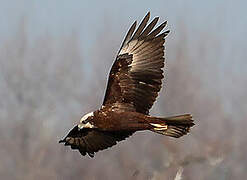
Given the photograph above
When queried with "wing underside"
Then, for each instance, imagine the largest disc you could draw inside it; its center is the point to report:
(135, 77)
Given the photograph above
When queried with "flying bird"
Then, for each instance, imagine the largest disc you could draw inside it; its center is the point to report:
(134, 81)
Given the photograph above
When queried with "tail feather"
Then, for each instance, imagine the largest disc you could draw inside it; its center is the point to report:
(175, 126)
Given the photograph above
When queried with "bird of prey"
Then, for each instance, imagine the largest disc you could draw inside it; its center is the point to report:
(133, 85)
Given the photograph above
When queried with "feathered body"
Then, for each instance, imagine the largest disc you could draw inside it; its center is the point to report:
(133, 85)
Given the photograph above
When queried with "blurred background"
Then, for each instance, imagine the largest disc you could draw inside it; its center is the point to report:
(54, 60)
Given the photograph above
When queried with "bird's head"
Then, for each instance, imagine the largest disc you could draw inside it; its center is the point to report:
(85, 121)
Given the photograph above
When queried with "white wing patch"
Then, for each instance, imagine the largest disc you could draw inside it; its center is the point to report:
(86, 116)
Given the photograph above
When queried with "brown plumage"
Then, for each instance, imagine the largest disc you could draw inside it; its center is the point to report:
(133, 86)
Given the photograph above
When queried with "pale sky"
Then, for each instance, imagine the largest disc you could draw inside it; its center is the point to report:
(226, 19)
(86, 16)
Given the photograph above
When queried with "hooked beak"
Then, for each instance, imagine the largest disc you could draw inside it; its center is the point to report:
(62, 141)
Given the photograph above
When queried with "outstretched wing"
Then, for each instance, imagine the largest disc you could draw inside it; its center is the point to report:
(90, 141)
(135, 77)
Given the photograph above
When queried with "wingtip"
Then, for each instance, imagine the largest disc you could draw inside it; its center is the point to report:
(166, 32)
(147, 17)
(135, 23)
(163, 24)
(156, 18)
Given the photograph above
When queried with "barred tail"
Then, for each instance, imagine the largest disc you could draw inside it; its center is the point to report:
(175, 126)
